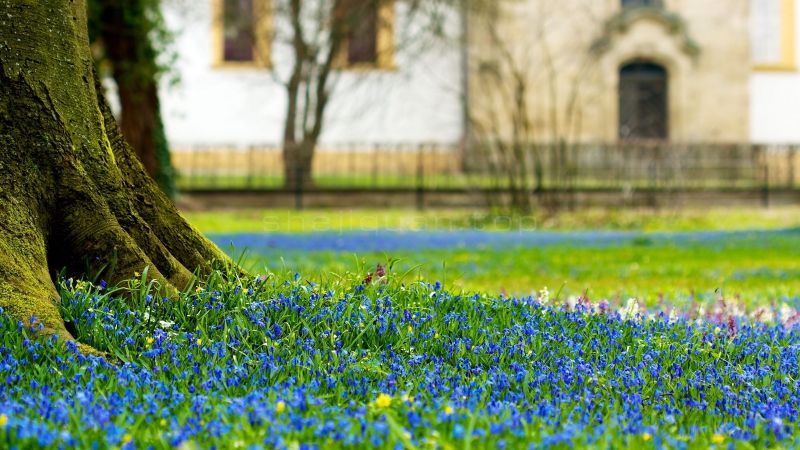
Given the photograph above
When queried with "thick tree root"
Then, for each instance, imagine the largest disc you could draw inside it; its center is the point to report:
(73, 195)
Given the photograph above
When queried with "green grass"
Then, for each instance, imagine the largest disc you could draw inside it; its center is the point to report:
(755, 271)
(758, 270)
(292, 221)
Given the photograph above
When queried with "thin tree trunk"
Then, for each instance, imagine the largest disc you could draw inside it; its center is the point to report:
(141, 124)
(72, 191)
(297, 160)
(125, 31)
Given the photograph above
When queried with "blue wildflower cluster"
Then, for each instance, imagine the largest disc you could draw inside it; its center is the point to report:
(381, 240)
(376, 363)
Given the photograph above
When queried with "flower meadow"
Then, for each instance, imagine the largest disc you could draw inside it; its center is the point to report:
(281, 362)
(758, 266)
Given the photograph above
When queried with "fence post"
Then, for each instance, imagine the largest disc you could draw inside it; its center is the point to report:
(213, 178)
(194, 173)
(765, 188)
(375, 155)
(421, 178)
(251, 157)
(298, 188)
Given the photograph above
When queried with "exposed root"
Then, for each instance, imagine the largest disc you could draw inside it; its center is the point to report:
(72, 193)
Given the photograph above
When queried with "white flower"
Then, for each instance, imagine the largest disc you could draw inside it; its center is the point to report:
(787, 313)
(544, 296)
(673, 316)
(630, 310)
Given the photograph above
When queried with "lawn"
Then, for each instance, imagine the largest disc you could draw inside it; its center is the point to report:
(331, 350)
(306, 221)
(751, 255)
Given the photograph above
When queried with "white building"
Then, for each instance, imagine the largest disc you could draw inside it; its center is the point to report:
(409, 96)
(775, 81)
(416, 95)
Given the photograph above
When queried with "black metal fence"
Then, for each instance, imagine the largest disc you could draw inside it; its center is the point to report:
(633, 165)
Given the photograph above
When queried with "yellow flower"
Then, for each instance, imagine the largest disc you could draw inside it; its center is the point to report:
(163, 422)
(149, 341)
(717, 330)
(646, 436)
(448, 410)
(383, 401)
(410, 329)
(436, 336)
(126, 439)
(717, 438)
(3, 420)
(199, 342)
(280, 407)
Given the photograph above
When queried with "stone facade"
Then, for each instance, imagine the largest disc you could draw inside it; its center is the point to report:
(547, 70)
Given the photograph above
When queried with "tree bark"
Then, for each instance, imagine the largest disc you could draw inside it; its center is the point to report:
(72, 192)
(126, 34)
(297, 160)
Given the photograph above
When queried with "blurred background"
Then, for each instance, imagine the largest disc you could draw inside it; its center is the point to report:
(417, 122)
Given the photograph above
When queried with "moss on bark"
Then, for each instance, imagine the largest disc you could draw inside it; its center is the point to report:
(72, 193)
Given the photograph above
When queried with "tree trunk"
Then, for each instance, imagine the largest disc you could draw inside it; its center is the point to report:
(143, 129)
(126, 34)
(297, 160)
(71, 190)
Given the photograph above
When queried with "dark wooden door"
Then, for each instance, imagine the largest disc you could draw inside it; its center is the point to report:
(643, 108)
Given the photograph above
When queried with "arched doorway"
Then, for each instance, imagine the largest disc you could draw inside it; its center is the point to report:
(643, 90)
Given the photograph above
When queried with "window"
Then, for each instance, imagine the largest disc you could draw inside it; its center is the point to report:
(642, 3)
(772, 37)
(643, 101)
(241, 33)
(238, 30)
(369, 34)
(362, 39)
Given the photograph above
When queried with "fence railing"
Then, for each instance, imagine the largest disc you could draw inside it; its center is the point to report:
(623, 165)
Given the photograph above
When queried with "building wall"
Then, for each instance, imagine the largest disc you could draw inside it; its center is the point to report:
(775, 98)
(571, 51)
(419, 101)
(715, 95)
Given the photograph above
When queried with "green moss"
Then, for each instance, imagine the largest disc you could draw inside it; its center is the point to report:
(72, 195)
(25, 286)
